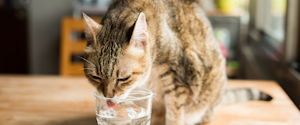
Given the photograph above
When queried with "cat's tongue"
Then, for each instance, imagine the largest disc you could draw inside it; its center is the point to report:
(111, 104)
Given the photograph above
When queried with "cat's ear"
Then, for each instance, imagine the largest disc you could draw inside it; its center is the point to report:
(138, 41)
(91, 28)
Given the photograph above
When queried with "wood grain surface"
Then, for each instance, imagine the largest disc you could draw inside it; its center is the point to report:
(54, 100)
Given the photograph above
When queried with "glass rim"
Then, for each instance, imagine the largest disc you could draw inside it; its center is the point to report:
(150, 94)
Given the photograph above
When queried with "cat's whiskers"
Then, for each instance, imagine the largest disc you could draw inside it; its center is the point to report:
(86, 61)
(155, 97)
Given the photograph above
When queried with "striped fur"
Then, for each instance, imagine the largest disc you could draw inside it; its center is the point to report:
(166, 46)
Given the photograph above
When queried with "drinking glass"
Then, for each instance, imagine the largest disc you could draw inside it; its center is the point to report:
(134, 110)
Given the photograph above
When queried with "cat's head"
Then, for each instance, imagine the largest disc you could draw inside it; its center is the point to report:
(117, 55)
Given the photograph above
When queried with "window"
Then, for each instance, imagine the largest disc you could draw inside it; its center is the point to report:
(271, 18)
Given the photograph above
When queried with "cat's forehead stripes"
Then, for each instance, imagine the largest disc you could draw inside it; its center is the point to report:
(108, 56)
(111, 40)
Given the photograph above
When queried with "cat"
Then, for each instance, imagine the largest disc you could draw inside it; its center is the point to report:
(166, 46)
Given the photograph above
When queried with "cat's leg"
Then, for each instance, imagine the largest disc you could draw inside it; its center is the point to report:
(175, 97)
(208, 117)
(206, 79)
(174, 108)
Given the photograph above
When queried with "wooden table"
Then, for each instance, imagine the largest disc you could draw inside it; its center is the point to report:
(54, 100)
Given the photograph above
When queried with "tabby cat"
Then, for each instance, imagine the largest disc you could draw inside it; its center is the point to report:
(166, 46)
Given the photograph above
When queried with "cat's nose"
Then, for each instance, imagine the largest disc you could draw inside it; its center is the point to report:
(108, 94)
(108, 90)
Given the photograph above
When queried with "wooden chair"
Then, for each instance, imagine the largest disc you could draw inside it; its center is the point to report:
(71, 46)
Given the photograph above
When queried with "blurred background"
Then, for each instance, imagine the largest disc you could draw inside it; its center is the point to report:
(259, 38)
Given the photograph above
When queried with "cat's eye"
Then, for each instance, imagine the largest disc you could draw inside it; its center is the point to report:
(96, 77)
(124, 79)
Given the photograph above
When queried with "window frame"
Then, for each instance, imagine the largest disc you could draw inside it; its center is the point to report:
(292, 30)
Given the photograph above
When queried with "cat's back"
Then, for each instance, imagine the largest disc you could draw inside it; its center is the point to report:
(188, 21)
(184, 18)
